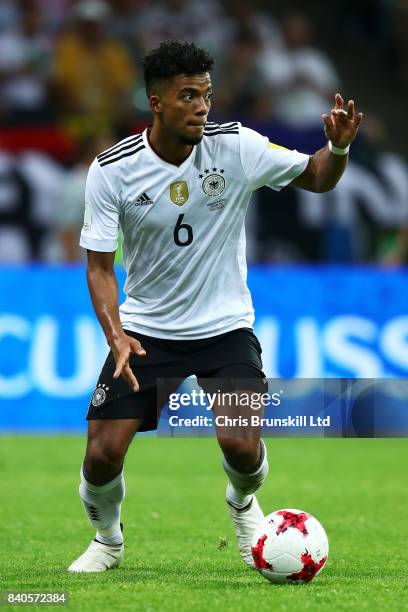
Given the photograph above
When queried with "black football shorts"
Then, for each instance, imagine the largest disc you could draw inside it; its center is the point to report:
(233, 357)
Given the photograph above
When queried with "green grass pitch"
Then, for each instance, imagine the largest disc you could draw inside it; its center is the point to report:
(181, 552)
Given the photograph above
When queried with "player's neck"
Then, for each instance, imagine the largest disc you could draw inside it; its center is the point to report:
(171, 151)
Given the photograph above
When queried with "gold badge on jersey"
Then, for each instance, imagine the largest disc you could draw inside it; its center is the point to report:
(179, 193)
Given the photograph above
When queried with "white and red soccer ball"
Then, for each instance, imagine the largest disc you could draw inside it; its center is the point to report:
(290, 546)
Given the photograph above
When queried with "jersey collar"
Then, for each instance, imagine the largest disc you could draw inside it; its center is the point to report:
(158, 160)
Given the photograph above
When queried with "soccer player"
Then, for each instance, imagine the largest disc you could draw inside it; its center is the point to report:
(179, 191)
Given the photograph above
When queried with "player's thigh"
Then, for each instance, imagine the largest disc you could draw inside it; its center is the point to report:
(240, 401)
(110, 438)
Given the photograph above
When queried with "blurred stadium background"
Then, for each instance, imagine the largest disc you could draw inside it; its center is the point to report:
(327, 271)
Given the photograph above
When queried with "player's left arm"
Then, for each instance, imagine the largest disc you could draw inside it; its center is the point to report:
(325, 167)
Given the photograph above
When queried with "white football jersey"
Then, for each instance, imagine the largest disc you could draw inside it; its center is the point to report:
(183, 227)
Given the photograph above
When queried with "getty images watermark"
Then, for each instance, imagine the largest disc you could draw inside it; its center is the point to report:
(317, 407)
(192, 408)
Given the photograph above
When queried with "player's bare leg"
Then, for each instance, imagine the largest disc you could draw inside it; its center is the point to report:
(246, 465)
(102, 490)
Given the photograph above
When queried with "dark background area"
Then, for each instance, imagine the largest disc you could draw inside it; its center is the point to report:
(71, 85)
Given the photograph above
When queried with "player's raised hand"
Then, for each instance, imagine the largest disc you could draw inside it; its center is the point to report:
(122, 349)
(341, 126)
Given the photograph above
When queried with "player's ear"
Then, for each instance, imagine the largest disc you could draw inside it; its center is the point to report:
(155, 104)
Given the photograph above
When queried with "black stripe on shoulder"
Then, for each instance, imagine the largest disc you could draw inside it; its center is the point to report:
(114, 159)
(120, 143)
(224, 126)
(134, 141)
(221, 132)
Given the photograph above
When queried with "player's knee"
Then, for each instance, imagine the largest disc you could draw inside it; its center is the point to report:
(104, 459)
(241, 453)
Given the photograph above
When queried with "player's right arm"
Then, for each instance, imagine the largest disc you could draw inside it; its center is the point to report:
(100, 237)
(103, 288)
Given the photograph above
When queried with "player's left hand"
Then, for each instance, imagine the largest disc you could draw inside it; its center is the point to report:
(341, 126)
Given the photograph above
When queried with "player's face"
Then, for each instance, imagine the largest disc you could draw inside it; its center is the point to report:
(184, 106)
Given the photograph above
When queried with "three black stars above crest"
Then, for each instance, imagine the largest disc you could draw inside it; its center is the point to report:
(207, 171)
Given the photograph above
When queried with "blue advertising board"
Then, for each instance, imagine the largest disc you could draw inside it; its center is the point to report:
(312, 322)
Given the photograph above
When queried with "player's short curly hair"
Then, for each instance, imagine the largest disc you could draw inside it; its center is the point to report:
(173, 58)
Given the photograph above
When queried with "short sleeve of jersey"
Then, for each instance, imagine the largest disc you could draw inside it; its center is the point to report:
(101, 218)
(265, 163)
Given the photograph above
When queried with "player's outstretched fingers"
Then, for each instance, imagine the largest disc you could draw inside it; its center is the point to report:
(328, 123)
(137, 348)
(130, 378)
(120, 365)
(339, 101)
(340, 115)
(327, 120)
(351, 109)
(358, 118)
